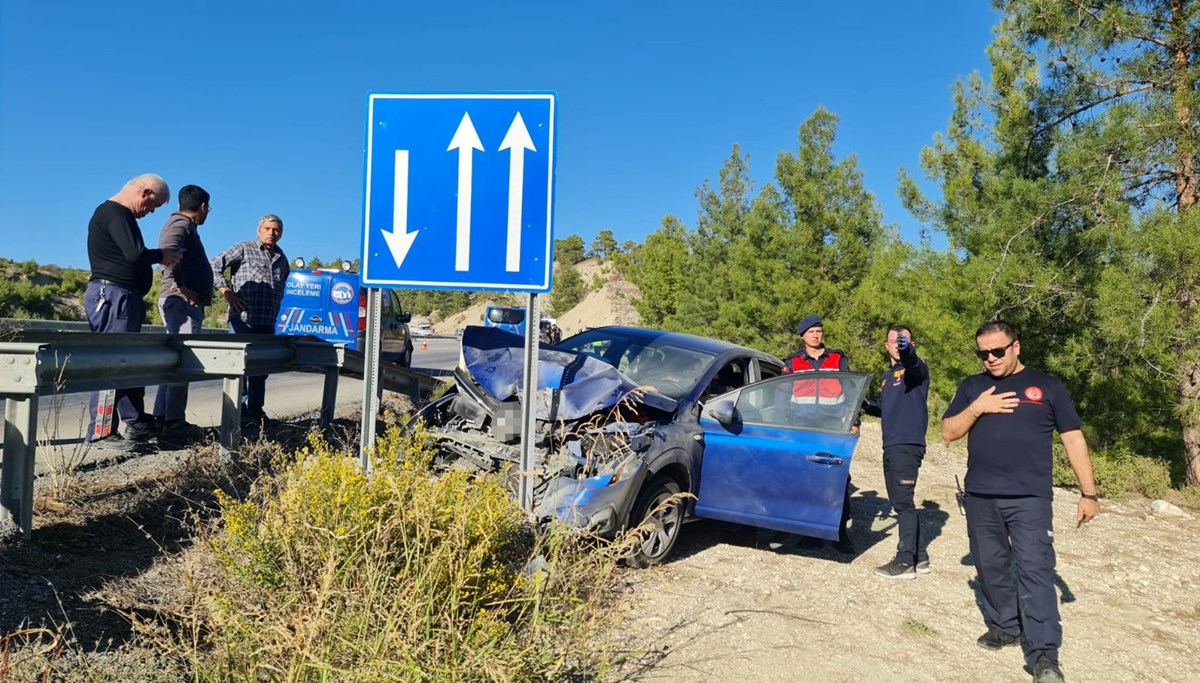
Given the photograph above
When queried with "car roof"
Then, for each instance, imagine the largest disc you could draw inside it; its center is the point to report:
(690, 341)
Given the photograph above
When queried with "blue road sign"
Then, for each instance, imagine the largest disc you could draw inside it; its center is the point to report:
(459, 191)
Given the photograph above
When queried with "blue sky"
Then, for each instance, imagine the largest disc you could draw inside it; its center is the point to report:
(264, 104)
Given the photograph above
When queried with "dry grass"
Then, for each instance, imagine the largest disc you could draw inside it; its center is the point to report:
(322, 573)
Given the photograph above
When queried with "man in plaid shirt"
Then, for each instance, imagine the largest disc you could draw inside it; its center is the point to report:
(258, 270)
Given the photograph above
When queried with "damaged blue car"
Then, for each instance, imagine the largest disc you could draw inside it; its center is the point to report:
(628, 418)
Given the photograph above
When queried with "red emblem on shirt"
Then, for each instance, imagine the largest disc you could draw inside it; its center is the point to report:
(1033, 393)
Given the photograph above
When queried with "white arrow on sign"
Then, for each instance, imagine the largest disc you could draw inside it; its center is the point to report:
(516, 140)
(465, 140)
(400, 240)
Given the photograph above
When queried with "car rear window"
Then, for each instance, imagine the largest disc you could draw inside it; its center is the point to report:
(506, 316)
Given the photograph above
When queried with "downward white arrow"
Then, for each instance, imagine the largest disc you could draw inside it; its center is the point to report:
(465, 140)
(517, 140)
(400, 240)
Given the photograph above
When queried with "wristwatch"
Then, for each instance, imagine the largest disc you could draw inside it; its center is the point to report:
(1090, 496)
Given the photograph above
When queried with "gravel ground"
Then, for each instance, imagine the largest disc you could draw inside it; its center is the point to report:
(728, 606)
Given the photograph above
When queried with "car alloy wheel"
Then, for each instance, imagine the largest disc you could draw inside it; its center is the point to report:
(659, 521)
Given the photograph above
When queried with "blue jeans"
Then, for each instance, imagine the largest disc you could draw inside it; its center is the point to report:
(256, 385)
(180, 317)
(112, 308)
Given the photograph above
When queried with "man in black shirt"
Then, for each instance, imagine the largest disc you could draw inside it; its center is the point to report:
(1011, 413)
(904, 408)
(121, 276)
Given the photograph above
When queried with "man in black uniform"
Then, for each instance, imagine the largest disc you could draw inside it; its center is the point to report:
(1011, 412)
(121, 276)
(904, 408)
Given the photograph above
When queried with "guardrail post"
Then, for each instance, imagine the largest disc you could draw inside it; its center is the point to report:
(231, 415)
(329, 396)
(16, 477)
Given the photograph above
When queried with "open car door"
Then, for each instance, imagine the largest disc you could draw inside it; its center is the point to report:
(777, 453)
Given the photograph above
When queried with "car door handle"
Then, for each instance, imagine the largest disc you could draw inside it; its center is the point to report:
(824, 459)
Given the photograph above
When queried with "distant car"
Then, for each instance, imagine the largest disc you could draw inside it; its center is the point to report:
(628, 418)
(507, 318)
(423, 330)
(330, 304)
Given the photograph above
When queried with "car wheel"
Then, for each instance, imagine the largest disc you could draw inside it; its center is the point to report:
(659, 520)
(406, 360)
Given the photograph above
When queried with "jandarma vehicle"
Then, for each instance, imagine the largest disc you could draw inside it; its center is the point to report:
(628, 417)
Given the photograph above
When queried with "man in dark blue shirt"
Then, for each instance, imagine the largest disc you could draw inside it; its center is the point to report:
(904, 408)
(1011, 413)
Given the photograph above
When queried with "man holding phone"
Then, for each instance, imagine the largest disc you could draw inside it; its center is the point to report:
(1011, 413)
(903, 406)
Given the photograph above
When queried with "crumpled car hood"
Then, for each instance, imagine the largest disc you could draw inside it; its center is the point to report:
(494, 358)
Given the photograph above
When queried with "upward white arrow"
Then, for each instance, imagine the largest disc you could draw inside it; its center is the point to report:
(465, 140)
(400, 240)
(516, 140)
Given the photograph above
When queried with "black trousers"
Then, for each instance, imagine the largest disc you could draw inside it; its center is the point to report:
(113, 308)
(1005, 531)
(901, 464)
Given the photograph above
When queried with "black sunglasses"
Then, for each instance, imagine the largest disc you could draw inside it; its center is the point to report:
(983, 354)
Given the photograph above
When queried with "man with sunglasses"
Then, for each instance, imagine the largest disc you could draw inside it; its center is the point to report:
(1010, 413)
(903, 406)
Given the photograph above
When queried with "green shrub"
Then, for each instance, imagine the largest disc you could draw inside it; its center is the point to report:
(1119, 472)
(328, 574)
(1191, 496)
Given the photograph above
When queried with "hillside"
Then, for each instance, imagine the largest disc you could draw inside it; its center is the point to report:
(607, 300)
(29, 290)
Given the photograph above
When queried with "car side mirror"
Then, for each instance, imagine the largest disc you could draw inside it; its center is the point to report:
(724, 412)
(406, 317)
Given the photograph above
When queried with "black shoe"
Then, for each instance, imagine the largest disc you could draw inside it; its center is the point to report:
(112, 442)
(897, 570)
(1046, 670)
(923, 567)
(995, 639)
(140, 436)
(179, 434)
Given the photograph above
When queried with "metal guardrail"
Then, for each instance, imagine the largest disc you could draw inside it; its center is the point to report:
(31, 324)
(36, 363)
(392, 376)
(42, 358)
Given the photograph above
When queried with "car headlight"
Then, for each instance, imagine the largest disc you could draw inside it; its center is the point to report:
(626, 469)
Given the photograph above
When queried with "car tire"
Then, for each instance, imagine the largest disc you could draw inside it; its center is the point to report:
(664, 522)
(406, 359)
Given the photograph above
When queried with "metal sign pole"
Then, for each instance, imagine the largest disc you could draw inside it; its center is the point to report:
(371, 393)
(529, 404)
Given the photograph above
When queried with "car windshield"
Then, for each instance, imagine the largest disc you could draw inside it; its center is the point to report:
(506, 316)
(671, 369)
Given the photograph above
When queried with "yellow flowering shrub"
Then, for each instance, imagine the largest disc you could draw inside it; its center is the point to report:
(394, 575)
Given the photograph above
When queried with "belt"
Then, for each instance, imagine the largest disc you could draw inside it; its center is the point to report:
(110, 282)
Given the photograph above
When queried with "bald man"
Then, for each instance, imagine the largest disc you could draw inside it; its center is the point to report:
(121, 276)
